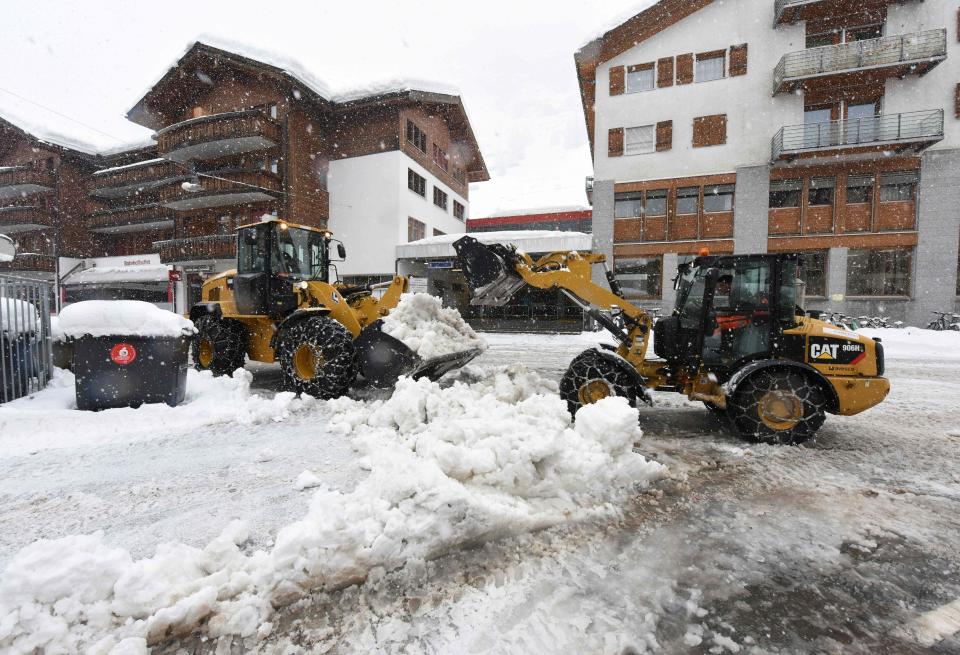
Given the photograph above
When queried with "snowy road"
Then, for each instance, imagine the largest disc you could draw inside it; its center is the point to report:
(838, 547)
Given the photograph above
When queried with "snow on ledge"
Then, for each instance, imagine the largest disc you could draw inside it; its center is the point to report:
(131, 318)
(112, 274)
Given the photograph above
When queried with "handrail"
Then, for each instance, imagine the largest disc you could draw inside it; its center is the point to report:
(870, 53)
(889, 128)
(209, 118)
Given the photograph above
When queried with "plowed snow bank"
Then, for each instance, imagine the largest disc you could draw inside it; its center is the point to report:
(448, 466)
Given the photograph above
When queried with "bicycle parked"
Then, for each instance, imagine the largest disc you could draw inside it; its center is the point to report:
(945, 321)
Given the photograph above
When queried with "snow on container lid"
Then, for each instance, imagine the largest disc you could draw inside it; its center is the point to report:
(129, 318)
(18, 317)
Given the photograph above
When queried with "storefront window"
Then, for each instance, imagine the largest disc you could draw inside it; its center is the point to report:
(813, 271)
(640, 278)
(879, 272)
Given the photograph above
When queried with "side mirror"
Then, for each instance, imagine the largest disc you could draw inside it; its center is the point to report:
(8, 249)
(341, 251)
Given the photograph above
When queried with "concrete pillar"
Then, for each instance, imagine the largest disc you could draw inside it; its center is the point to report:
(603, 226)
(750, 214)
(669, 296)
(837, 278)
(938, 227)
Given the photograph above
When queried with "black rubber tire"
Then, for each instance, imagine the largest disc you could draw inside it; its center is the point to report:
(743, 409)
(227, 338)
(340, 358)
(589, 366)
(720, 412)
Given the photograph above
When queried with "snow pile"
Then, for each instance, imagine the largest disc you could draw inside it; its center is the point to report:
(132, 318)
(49, 419)
(18, 317)
(428, 328)
(913, 343)
(447, 467)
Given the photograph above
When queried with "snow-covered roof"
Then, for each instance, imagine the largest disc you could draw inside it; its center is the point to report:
(526, 240)
(615, 21)
(56, 129)
(113, 274)
(535, 211)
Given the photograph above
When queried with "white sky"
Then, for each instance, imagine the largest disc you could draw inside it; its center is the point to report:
(512, 60)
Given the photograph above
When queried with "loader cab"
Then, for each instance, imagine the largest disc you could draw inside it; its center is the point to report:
(730, 310)
(272, 256)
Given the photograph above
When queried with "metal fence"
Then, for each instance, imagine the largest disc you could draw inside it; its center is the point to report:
(25, 359)
(917, 126)
(907, 49)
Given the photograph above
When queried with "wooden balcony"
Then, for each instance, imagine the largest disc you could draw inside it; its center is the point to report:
(24, 218)
(197, 249)
(218, 136)
(889, 56)
(30, 262)
(787, 12)
(124, 181)
(223, 188)
(19, 181)
(131, 219)
(861, 137)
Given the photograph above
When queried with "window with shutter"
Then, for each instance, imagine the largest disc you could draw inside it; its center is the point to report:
(615, 142)
(616, 81)
(640, 78)
(685, 69)
(665, 72)
(639, 140)
(738, 60)
(709, 131)
(664, 135)
(710, 66)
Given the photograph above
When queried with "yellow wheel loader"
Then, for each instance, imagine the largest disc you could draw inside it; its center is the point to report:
(280, 305)
(738, 340)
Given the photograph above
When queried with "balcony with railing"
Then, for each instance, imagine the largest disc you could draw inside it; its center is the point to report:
(19, 181)
(218, 136)
(24, 218)
(36, 262)
(222, 188)
(889, 56)
(131, 219)
(794, 11)
(876, 134)
(197, 249)
(123, 181)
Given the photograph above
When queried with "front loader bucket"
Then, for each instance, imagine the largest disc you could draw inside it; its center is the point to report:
(435, 367)
(384, 358)
(489, 273)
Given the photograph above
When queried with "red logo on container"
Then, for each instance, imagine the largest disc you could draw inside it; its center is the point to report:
(123, 354)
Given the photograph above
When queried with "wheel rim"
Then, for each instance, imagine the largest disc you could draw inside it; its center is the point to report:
(780, 409)
(594, 391)
(205, 354)
(307, 361)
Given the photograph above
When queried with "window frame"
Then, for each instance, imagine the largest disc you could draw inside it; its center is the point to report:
(811, 189)
(710, 56)
(636, 199)
(869, 188)
(696, 199)
(665, 199)
(798, 191)
(626, 140)
(650, 68)
(859, 276)
(414, 179)
(631, 262)
(912, 184)
(825, 254)
(459, 210)
(441, 198)
(415, 135)
(415, 225)
(732, 194)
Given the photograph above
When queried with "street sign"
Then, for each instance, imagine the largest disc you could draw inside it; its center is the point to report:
(443, 264)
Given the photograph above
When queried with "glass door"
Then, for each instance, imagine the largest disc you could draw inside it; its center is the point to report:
(816, 130)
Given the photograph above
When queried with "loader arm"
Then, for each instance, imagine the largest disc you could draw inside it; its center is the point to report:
(570, 272)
